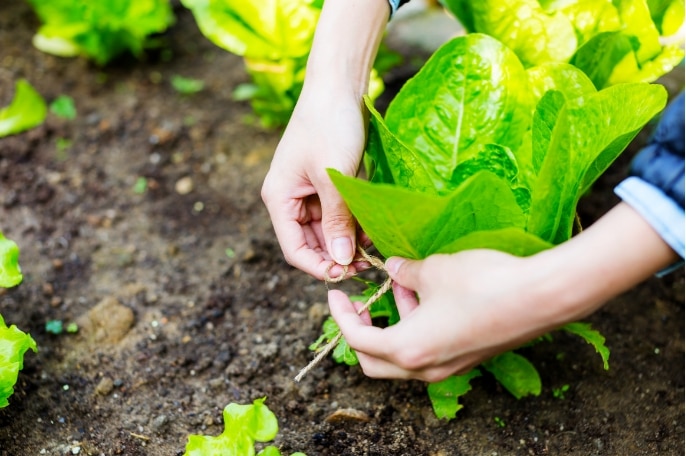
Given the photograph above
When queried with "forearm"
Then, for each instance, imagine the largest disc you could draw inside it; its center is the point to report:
(345, 44)
(613, 255)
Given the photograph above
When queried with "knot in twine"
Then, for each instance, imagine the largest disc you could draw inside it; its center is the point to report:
(385, 286)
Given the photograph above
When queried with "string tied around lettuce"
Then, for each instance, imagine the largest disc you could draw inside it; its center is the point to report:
(385, 286)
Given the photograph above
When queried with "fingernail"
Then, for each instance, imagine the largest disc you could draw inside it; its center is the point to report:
(393, 264)
(342, 250)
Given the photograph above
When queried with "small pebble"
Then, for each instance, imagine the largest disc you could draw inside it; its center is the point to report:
(347, 414)
(184, 186)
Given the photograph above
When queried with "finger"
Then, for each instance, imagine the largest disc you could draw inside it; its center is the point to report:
(405, 299)
(359, 334)
(363, 239)
(405, 272)
(364, 314)
(338, 226)
(380, 368)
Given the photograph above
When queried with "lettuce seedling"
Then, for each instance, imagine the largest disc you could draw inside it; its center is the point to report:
(27, 110)
(243, 426)
(612, 41)
(10, 271)
(63, 107)
(13, 342)
(476, 151)
(99, 30)
(187, 86)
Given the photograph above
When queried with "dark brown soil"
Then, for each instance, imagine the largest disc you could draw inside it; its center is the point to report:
(173, 328)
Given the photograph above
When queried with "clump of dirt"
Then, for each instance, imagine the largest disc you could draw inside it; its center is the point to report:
(185, 303)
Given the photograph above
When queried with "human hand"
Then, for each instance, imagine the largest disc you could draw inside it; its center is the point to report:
(312, 222)
(326, 130)
(474, 305)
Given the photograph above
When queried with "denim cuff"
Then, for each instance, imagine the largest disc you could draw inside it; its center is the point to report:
(660, 211)
(394, 6)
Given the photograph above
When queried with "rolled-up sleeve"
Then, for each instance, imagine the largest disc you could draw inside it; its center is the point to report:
(655, 188)
(395, 4)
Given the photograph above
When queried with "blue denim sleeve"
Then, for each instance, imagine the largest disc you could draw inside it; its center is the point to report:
(656, 187)
(395, 4)
(661, 162)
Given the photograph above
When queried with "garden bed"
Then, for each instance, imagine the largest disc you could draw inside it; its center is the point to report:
(185, 304)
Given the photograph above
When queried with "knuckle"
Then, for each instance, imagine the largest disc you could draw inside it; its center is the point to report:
(337, 221)
(266, 190)
(414, 358)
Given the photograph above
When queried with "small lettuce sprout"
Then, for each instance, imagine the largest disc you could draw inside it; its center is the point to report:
(243, 426)
(63, 107)
(10, 272)
(54, 327)
(27, 110)
(13, 342)
(187, 86)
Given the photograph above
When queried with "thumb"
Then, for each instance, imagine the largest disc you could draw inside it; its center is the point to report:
(338, 227)
(405, 272)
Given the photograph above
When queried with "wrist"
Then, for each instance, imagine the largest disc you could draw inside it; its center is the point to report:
(610, 257)
(345, 44)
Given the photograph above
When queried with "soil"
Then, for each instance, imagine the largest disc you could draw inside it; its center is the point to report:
(185, 304)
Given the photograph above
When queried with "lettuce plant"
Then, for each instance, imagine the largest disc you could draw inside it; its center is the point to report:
(612, 41)
(274, 38)
(476, 151)
(99, 30)
(27, 110)
(243, 426)
(13, 342)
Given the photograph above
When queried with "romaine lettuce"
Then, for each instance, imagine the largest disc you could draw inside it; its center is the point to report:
(99, 30)
(612, 41)
(477, 152)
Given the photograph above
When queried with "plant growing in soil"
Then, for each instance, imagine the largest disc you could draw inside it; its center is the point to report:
(13, 342)
(611, 41)
(27, 110)
(478, 152)
(274, 38)
(243, 426)
(99, 30)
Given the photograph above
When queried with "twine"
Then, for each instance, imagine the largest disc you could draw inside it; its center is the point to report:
(385, 286)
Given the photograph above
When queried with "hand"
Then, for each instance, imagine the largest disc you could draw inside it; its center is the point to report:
(327, 130)
(311, 220)
(475, 304)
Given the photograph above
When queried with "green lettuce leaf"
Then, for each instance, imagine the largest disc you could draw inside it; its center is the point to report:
(583, 143)
(10, 271)
(243, 426)
(515, 22)
(474, 91)
(264, 30)
(445, 395)
(515, 373)
(591, 336)
(27, 110)
(415, 225)
(13, 344)
(613, 41)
